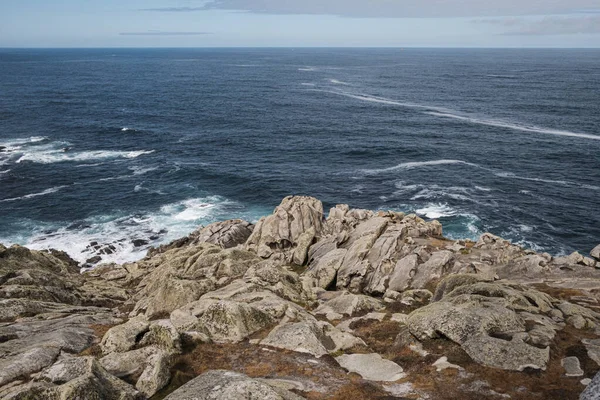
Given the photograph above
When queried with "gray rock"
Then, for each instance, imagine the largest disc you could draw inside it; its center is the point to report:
(434, 268)
(595, 253)
(348, 304)
(592, 391)
(371, 367)
(156, 374)
(514, 355)
(230, 321)
(225, 234)
(280, 234)
(303, 337)
(572, 366)
(593, 349)
(405, 270)
(221, 385)
(124, 337)
(66, 370)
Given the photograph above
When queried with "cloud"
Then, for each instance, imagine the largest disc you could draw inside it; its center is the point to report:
(161, 33)
(550, 25)
(395, 8)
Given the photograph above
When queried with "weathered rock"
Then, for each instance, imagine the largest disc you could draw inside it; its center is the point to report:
(595, 253)
(593, 349)
(124, 337)
(225, 234)
(592, 391)
(403, 273)
(229, 321)
(323, 272)
(303, 337)
(434, 268)
(95, 384)
(572, 366)
(164, 335)
(514, 355)
(156, 375)
(371, 367)
(229, 385)
(348, 304)
(65, 370)
(286, 231)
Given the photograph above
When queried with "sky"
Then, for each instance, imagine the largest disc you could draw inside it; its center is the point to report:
(300, 23)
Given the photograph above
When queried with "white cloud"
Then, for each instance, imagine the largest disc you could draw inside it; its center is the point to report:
(397, 8)
(550, 25)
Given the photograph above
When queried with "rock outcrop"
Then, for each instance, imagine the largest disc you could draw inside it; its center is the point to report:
(361, 304)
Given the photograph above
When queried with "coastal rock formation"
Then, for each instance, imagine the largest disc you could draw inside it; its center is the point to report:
(360, 304)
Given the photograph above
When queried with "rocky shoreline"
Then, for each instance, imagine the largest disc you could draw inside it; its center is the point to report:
(361, 304)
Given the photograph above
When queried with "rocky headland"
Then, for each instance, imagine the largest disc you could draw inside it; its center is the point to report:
(357, 305)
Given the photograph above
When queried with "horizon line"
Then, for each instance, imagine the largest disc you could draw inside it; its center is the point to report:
(296, 47)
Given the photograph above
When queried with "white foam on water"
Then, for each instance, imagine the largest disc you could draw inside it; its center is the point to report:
(126, 129)
(170, 222)
(307, 84)
(58, 155)
(435, 211)
(5, 171)
(32, 195)
(514, 126)
(448, 113)
(307, 69)
(511, 175)
(137, 170)
(483, 189)
(416, 164)
(337, 82)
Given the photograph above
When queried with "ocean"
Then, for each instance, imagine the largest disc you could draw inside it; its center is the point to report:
(137, 147)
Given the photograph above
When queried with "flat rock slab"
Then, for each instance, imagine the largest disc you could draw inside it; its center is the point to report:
(229, 385)
(371, 367)
(572, 366)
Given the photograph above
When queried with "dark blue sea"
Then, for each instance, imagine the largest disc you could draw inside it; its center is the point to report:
(139, 147)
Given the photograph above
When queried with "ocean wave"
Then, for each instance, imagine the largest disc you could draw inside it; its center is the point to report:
(32, 195)
(514, 126)
(126, 129)
(435, 211)
(130, 236)
(55, 155)
(416, 164)
(307, 84)
(307, 69)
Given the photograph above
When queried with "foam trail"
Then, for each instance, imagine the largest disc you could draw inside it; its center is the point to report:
(336, 82)
(416, 164)
(381, 100)
(446, 113)
(32, 195)
(518, 127)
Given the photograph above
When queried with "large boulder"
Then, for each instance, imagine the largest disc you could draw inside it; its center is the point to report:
(124, 337)
(287, 234)
(596, 252)
(219, 384)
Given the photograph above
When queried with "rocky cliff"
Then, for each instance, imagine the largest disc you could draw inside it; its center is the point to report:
(361, 304)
